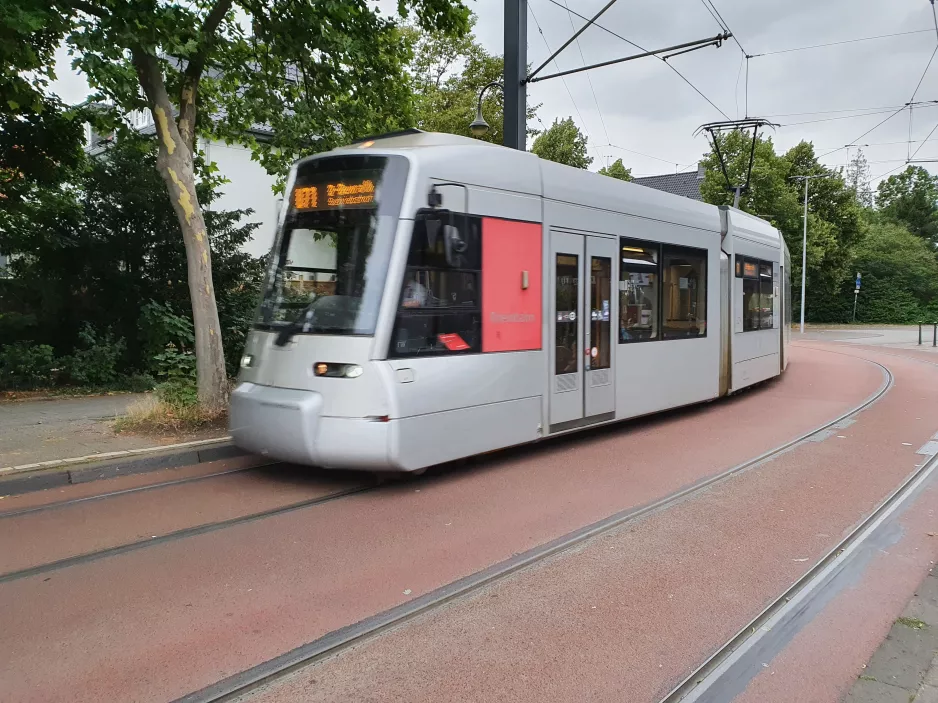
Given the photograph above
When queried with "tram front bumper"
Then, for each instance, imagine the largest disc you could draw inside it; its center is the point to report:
(288, 425)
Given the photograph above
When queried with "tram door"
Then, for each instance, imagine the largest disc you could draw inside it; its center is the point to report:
(582, 323)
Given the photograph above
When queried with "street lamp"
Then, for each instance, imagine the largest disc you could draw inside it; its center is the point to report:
(479, 127)
(804, 241)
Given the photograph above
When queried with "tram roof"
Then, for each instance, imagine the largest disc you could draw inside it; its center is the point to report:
(742, 225)
(567, 184)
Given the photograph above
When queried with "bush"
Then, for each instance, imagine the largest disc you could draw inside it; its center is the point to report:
(177, 374)
(138, 383)
(97, 363)
(26, 365)
(159, 326)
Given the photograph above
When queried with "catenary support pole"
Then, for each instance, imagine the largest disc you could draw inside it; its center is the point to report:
(804, 250)
(516, 67)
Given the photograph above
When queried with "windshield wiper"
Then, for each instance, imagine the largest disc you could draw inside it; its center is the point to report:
(295, 325)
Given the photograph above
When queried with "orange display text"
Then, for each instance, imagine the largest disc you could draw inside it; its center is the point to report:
(334, 195)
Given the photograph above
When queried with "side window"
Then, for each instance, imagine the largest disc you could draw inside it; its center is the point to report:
(440, 306)
(684, 292)
(751, 295)
(638, 290)
(766, 284)
(758, 293)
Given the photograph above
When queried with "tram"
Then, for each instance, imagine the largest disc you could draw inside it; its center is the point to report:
(432, 297)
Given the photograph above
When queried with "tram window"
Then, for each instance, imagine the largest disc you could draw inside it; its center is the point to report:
(567, 272)
(638, 291)
(766, 284)
(758, 294)
(440, 304)
(751, 295)
(684, 292)
(600, 311)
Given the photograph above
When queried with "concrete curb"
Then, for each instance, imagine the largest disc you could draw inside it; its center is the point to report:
(16, 480)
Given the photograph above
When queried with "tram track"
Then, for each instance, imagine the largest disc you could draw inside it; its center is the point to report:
(129, 491)
(184, 533)
(700, 685)
(240, 686)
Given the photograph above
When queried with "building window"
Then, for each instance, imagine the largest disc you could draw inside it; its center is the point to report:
(440, 304)
(758, 293)
(638, 290)
(684, 292)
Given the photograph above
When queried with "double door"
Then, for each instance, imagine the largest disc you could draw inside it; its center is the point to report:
(583, 314)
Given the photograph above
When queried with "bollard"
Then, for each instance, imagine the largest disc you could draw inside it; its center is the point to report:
(934, 335)
(920, 334)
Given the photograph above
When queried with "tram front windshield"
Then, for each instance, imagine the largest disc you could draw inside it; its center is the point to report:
(332, 253)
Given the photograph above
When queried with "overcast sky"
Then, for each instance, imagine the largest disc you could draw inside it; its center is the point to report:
(645, 107)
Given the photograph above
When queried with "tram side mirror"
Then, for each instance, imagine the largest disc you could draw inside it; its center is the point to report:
(454, 240)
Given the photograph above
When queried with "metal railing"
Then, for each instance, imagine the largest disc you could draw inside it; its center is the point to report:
(934, 332)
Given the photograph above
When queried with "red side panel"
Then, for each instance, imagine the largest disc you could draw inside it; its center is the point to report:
(511, 314)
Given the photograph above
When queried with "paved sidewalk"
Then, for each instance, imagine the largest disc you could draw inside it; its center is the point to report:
(45, 430)
(905, 667)
(905, 337)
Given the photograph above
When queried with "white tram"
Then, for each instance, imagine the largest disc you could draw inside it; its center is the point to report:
(432, 297)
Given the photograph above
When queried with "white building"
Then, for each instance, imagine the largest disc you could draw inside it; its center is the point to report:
(249, 186)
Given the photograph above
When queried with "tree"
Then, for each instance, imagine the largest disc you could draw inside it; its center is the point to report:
(911, 197)
(858, 178)
(900, 275)
(40, 140)
(116, 252)
(834, 222)
(564, 143)
(448, 73)
(617, 170)
(317, 73)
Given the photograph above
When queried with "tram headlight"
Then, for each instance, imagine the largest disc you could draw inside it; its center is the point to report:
(327, 370)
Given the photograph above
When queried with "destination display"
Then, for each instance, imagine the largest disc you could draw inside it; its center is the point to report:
(330, 196)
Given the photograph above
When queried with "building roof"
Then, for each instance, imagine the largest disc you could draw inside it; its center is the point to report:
(686, 184)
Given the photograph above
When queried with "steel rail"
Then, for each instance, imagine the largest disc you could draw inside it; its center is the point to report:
(697, 685)
(179, 534)
(125, 491)
(244, 683)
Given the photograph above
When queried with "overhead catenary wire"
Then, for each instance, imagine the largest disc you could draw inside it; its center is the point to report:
(725, 26)
(846, 117)
(738, 74)
(926, 139)
(552, 55)
(934, 17)
(632, 151)
(563, 80)
(715, 13)
(887, 173)
(909, 104)
(884, 108)
(876, 126)
(602, 121)
(902, 142)
(641, 48)
(838, 43)
(927, 66)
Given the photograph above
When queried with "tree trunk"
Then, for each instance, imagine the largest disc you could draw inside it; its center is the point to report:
(175, 164)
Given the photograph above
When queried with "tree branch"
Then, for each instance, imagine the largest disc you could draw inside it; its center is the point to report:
(193, 73)
(209, 27)
(88, 8)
